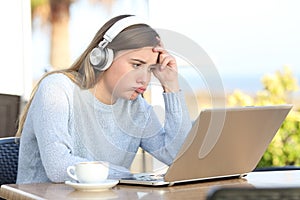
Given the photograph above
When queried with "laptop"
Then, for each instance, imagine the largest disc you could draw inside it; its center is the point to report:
(223, 142)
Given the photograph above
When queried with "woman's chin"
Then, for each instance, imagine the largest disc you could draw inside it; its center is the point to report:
(134, 96)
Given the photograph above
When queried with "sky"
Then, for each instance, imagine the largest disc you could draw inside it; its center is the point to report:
(245, 39)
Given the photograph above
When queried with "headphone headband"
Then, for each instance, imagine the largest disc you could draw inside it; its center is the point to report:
(119, 26)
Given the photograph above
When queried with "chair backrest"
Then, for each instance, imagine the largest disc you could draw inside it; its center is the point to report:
(9, 114)
(9, 153)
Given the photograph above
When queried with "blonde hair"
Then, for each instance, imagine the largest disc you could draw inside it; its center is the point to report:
(82, 73)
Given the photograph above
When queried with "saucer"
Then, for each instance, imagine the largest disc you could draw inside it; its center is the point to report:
(93, 186)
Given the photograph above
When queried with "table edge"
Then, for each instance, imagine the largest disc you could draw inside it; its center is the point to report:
(7, 188)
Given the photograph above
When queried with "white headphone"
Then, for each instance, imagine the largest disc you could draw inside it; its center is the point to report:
(102, 57)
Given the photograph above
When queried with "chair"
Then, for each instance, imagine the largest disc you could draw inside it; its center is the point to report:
(9, 153)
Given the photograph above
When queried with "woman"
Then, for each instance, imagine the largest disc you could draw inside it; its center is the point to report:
(94, 109)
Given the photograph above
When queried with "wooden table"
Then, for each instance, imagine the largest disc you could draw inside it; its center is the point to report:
(183, 191)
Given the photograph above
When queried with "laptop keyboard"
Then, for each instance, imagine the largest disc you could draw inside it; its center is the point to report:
(254, 194)
(149, 177)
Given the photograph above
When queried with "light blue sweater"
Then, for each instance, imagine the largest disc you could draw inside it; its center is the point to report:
(66, 125)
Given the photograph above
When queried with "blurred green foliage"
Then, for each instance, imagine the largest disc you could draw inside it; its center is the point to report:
(36, 3)
(278, 88)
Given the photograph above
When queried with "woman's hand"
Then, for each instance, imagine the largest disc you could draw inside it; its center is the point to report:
(166, 70)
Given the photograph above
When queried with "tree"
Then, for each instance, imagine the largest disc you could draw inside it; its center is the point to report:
(278, 89)
(57, 13)
(59, 18)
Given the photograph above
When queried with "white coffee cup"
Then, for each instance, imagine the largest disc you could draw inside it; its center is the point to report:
(89, 172)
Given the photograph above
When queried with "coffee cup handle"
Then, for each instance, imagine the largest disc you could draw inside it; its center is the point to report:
(71, 172)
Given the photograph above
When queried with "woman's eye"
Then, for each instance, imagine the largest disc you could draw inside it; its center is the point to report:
(152, 67)
(136, 66)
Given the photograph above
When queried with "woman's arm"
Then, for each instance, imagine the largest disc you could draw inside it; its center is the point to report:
(50, 112)
(52, 116)
(164, 142)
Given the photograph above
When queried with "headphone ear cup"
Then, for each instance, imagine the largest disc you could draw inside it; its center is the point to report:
(100, 58)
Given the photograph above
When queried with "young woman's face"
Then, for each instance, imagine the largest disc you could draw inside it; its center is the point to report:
(130, 73)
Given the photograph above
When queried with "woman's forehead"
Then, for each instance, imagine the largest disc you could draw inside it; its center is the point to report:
(145, 53)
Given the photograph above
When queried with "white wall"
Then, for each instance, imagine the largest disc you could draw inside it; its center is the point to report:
(15, 48)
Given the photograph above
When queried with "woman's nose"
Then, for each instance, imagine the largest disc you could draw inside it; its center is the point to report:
(144, 76)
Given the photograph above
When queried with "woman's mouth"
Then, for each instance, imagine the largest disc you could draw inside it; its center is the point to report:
(140, 90)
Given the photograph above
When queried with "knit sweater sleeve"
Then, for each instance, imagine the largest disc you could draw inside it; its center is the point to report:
(50, 114)
(164, 143)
